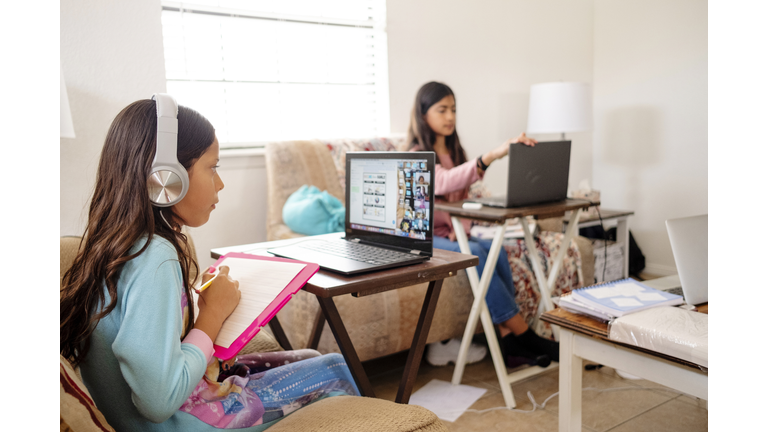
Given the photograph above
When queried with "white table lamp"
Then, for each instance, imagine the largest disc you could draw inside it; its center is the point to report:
(67, 128)
(560, 107)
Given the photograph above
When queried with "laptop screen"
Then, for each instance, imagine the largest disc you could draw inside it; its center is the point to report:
(390, 197)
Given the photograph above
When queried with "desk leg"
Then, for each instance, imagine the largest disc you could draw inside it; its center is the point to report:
(480, 309)
(573, 226)
(570, 384)
(547, 285)
(345, 344)
(479, 288)
(277, 330)
(317, 330)
(419, 341)
(541, 279)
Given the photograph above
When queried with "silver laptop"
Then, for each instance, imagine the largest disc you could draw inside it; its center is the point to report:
(536, 175)
(388, 223)
(688, 237)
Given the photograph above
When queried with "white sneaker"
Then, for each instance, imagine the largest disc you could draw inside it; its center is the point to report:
(626, 375)
(440, 354)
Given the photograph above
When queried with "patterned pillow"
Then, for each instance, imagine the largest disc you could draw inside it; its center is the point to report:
(340, 147)
(77, 410)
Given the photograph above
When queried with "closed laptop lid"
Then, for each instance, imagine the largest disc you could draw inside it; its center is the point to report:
(389, 199)
(689, 239)
(538, 174)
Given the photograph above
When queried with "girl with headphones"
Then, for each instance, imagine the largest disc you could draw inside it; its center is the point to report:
(126, 311)
(433, 128)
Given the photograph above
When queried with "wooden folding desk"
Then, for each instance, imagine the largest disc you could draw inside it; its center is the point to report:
(499, 217)
(582, 338)
(326, 285)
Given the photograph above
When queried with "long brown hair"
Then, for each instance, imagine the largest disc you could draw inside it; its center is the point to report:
(120, 213)
(420, 135)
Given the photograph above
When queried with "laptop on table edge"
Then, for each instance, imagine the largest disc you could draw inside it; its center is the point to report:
(388, 215)
(536, 175)
(689, 240)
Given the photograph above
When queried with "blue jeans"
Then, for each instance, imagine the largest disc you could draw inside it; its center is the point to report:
(501, 291)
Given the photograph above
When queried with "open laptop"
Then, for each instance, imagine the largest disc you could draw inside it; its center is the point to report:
(388, 221)
(688, 237)
(537, 174)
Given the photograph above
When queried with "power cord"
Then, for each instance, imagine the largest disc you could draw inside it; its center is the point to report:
(536, 405)
(605, 234)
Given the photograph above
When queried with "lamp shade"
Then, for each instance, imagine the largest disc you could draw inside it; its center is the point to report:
(560, 107)
(67, 129)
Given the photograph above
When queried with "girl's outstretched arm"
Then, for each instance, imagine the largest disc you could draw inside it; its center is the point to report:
(456, 178)
(503, 149)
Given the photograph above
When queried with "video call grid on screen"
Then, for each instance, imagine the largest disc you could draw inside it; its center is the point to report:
(390, 196)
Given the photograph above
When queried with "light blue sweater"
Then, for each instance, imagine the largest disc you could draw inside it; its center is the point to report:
(137, 370)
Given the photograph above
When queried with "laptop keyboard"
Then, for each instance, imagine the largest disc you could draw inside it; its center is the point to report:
(358, 252)
(676, 291)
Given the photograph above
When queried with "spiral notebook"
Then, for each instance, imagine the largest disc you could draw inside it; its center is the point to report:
(266, 285)
(567, 302)
(624, 296)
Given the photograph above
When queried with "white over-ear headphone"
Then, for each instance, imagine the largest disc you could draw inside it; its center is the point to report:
(168, 180)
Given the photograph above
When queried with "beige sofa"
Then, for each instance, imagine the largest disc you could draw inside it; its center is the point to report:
(78, 413)
(384, 324)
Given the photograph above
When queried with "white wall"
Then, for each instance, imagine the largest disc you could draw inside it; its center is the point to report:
(650, 112)
(490, 52)
(111, 55)
(241, 215)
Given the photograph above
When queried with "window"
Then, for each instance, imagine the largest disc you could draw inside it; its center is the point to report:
(273, 70)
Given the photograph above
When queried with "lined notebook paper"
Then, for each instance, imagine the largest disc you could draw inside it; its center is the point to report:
(260, 283)
(266, 285)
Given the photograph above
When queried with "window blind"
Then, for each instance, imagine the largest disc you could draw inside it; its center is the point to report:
(266, 70)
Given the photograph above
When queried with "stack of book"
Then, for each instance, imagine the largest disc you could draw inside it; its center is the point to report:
(611, 300)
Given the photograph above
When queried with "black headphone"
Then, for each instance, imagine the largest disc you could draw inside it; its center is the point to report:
(168, 181)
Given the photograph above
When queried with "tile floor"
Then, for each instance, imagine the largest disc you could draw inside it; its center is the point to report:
(626, 406)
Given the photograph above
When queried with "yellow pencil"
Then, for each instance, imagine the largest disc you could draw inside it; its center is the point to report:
(207, 284)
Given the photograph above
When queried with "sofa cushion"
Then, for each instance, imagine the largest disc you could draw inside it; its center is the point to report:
(262, 342)
(354, 414)
(68, 247)
(77, 410)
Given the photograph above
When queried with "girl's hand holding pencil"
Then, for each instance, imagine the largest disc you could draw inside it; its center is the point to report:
(208, 279)
(219, 295)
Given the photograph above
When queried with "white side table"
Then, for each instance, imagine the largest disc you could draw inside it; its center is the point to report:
(582, 338)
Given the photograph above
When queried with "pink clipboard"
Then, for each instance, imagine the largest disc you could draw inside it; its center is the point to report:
(298, 282)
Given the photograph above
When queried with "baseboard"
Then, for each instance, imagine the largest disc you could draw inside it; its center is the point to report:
(660, 269)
